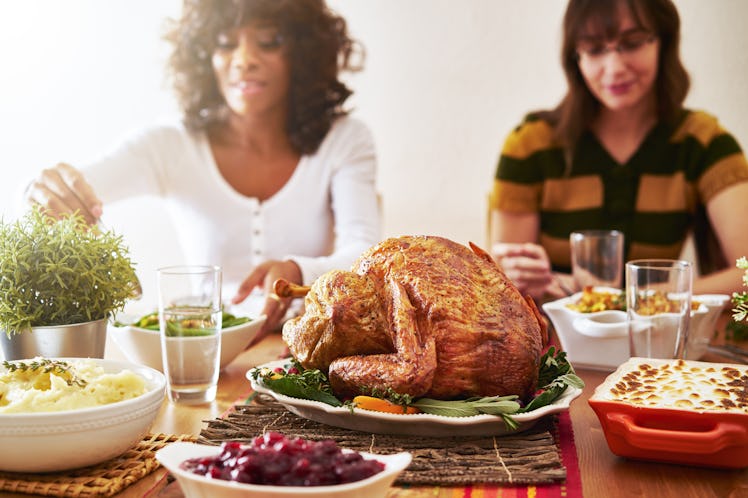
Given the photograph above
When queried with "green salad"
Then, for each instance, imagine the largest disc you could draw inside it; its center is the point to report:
(555, 375)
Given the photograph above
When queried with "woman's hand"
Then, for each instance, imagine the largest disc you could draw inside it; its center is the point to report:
(264, 276)
(527, 265)
(62, 190)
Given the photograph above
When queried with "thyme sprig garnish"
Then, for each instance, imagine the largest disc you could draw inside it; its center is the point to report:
(59, 367)
(391, 395)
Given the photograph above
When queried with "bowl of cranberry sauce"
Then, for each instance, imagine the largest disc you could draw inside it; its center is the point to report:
(274, 465)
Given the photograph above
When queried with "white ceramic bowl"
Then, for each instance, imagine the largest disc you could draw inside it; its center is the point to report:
(599, 340)
(143, 346)
(197, 486)
(55, 441)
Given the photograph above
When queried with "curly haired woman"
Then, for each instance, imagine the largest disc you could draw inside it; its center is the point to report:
(266, 163)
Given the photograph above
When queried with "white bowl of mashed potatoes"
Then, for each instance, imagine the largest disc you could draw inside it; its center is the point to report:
(64, 413)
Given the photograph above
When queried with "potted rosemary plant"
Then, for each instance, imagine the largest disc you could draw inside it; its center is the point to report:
(60, 281)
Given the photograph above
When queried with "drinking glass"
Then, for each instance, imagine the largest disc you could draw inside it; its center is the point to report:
(189, 311)
(658, 302)
(597, 258)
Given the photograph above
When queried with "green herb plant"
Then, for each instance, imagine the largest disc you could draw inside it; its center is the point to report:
(737, 328)
(740, 299)
(60, 272)
(555, 375)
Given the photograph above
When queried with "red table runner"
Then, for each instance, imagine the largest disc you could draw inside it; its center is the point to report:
(572, 487)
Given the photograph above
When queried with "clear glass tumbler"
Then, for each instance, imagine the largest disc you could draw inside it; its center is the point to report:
(189, 310)
(658, 302)
(597, 258)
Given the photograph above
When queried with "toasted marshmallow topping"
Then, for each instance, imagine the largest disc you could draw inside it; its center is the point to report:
(689, 385)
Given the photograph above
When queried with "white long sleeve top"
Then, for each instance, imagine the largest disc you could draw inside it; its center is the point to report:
(323, 218)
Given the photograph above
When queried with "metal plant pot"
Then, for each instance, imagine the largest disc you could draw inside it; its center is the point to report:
(80, 340)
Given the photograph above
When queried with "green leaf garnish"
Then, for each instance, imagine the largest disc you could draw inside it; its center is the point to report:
(457, 408)
(501, 406)
(291, 387)
(555, 375)
(306, 384)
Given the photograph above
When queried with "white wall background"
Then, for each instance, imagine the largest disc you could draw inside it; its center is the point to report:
(445, 81)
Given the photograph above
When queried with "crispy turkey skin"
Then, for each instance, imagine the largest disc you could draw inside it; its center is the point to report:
(423, 316)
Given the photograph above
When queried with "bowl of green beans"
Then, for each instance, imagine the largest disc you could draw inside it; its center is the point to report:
(139, 337)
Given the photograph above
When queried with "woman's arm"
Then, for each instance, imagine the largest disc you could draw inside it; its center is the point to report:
(131, 169)
(728, 214)
(513, 227)
(514, 238)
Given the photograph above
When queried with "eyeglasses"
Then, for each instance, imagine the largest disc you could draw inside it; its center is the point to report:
(629, 44)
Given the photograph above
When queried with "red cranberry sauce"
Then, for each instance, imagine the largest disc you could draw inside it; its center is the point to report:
(279, 461)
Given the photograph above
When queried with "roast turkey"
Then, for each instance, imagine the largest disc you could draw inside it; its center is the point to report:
(424, 316)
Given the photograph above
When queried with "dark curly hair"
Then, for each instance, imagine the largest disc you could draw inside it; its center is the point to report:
(316, 43)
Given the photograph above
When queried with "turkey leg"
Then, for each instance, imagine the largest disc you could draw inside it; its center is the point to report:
(410, 370)
(283, 288)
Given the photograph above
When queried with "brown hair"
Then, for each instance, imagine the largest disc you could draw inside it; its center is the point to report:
(317, 46)
(577, 109)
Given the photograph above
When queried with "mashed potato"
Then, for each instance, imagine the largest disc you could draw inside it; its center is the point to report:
(44, 385)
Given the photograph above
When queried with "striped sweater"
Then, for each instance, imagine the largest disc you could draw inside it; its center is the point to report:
(652, 198)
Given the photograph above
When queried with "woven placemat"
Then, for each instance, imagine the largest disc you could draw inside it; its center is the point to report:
(531, 457)
(102, 480)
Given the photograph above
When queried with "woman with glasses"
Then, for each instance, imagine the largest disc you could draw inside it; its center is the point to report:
(620, 152)
(266, 165)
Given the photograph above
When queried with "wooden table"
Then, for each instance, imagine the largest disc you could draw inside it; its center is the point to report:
(603, 474)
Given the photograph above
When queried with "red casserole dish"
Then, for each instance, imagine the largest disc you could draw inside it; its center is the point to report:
(685, 412)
